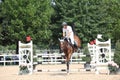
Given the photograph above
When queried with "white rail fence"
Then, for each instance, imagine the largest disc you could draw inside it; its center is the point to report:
(57, 58)
(42, 58)
(9, 59)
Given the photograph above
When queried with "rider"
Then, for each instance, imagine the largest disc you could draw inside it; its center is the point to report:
(68, 33)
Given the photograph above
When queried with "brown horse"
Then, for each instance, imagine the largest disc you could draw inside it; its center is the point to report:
(68, 49)
(77, 41)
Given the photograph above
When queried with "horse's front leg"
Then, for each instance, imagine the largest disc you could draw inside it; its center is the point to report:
(68, 62)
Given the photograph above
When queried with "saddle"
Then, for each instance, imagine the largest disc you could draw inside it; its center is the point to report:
(77, 42)
(73, 46)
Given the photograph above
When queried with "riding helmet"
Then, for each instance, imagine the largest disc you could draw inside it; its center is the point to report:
(64, 24)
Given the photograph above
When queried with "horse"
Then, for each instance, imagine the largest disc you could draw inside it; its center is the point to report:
(69, 49)
(77, 41)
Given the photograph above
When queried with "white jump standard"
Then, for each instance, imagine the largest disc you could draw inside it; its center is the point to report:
(26, 56)
(101, 52)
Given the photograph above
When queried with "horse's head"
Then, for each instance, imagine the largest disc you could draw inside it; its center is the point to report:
(61, 45)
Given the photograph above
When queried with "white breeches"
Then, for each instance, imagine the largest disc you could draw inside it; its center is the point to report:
(72, 38)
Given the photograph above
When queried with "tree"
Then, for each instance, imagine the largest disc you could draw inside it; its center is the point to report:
(116, 17)
(91, 17)
(25, 17)
(117, 53)
(42, 21)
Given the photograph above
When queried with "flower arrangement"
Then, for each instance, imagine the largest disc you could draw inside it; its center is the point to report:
(23, 69)
(113, 67)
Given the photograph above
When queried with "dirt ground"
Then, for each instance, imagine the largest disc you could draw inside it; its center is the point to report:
(11, 73)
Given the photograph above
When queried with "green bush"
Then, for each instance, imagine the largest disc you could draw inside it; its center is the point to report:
(12, 47)
(117, 53)
(88, 57)
(5, 49)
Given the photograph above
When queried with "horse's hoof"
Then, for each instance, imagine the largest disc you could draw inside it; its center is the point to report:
(68, 73)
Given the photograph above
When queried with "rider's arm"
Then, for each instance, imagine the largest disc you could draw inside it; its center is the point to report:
(69, 34)
(64, 33)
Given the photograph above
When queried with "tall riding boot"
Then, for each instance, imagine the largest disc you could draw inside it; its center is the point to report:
(70, 41)
(75, 45)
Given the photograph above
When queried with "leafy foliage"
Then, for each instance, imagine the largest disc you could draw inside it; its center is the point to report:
(117, 53)
(42, 21)
(25, 17)
(87, 53)
(90, 17)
